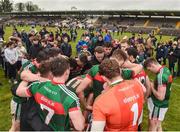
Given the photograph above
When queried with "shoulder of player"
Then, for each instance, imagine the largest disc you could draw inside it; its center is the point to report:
(38, 83)
(95, 68)
(164, 73)
(27, 65)
(128, 83)
(68, 92)
(164, 70)
(106, 94)
(100, 99)
(93, 71)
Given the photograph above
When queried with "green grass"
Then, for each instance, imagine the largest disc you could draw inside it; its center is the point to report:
(172, 119)
(5, 97)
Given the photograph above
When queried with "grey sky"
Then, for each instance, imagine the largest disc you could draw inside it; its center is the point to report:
(107, 4)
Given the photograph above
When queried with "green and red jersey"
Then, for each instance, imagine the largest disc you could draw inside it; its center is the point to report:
(163, 77)
(97, 79)
(29, 65)
(26, 66)
(55, 102)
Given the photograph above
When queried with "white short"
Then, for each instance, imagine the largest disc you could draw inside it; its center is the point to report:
(15, 109)
(156, 113)
(141, 118)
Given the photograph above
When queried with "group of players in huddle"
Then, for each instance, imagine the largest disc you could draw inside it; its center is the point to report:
(109, 97)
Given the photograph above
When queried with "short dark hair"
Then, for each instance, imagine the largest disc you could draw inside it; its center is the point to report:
(99, 49)
(149, 61)
(132, 52)
(45, 68)
(107, 44)
(119, 55)
(73, 63)
(100, 36)
(109, 68)
(59, 65)
(42, 56)
(10, 43)
(53, 52)
(83, 58)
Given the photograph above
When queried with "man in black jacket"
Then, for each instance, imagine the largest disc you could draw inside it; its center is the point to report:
(66, 47)
(100, 41)
(172, 58)
(98, 55)
(35, 48)
(160, 52)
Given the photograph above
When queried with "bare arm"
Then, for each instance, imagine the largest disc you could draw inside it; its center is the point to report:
(83, 85)
(160, 93)
(148, 87)
(90, 102)
(79, 122)
(22, 89)
(28, 76)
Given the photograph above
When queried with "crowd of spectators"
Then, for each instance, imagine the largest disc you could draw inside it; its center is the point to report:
(24, 45)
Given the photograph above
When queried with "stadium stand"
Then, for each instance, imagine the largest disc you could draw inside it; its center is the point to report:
(132, 21)
(164, 26)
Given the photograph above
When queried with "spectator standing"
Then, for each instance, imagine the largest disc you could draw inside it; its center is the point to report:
(43, 32)
(160, 53)
(65, 35)
(11, 56)
(95, 39)
(149, 47)
(24, 36)
(29, 42)
(21, 54)
(141, 50)
(165, 53)
(107, 50)
(73, 34)
(35, 48)
(66, 47)
(172, 58)
(107, 37)
(100, 41)
(81, 44)
(98, 55)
